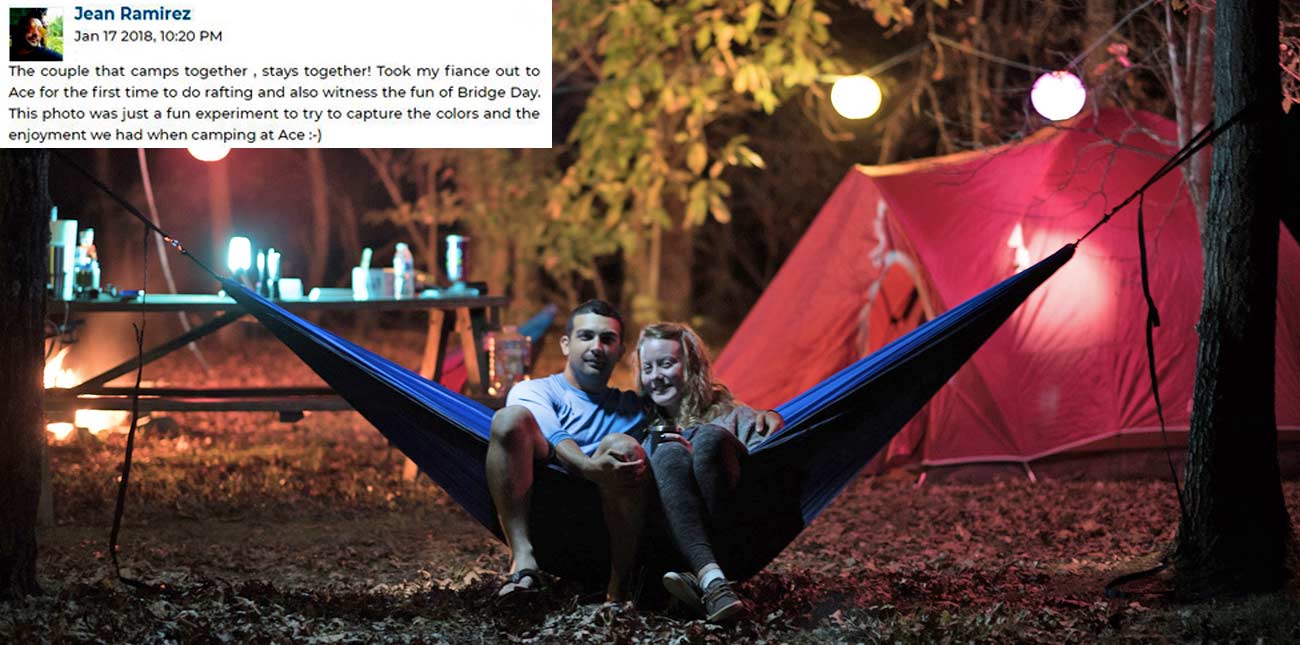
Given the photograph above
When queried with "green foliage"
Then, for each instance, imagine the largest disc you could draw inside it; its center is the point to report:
(54, 39)
(895, 13)
(664, 73)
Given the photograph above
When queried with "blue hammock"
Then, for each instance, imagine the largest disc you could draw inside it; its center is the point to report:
(832, 430)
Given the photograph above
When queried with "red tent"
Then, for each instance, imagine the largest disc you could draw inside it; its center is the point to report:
(894, 245)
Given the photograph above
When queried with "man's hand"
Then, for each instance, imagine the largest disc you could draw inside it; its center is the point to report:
(609, 471)
(769, 423)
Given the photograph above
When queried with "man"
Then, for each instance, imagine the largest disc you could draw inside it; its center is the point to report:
(27, 41)
(573, 418)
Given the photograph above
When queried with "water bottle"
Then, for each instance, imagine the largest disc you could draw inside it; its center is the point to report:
(403, 272)
(508, 351)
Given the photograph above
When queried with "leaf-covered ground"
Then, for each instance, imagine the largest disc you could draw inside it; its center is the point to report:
(265, 531)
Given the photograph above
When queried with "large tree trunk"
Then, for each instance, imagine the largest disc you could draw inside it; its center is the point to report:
(1235, 535)
(24, 260)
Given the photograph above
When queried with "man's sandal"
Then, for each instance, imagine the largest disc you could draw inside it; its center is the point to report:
(515, 586)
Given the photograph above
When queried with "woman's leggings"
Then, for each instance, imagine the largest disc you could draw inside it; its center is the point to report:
(696, 486)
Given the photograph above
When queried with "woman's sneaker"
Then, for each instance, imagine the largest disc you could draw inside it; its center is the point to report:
(721, 603)
(685, 587)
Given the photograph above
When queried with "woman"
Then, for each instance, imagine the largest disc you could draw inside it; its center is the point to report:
(697, 461)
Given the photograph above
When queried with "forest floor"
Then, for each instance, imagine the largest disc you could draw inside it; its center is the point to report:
(264, 531)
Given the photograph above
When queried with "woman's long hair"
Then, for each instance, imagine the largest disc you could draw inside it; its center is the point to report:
(704, 399)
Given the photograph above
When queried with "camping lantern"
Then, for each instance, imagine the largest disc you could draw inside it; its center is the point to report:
(1058, 95)
(239, 257)
(456, 259)
(855, 97)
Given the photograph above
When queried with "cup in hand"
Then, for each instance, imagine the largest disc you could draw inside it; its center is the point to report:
(656, 434)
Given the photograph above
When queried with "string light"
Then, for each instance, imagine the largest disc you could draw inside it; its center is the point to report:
(209, 152)
(855, 97)
(1058, 95)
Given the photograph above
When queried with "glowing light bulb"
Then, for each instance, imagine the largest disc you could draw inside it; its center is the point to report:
(1017, 242)
(209, 152)
(855, 97)
(1017, 239)
(1058, 95)
(240, 255)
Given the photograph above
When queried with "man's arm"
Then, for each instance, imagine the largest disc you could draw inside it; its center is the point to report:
(605, 470)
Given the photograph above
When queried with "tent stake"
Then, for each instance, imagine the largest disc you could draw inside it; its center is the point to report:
(1033, 479)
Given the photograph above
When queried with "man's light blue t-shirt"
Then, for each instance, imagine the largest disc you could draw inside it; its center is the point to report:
(564, 412)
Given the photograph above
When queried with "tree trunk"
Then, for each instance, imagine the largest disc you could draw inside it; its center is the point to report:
(1099, 17)
(111, 244)
(24, 260)
(1234, 537)
(220, 220)
(320, 218)
(676, 275)
(976, 87)
(1191, 71)
(349, 230)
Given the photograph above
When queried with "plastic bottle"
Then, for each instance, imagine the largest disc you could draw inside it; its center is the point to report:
(403, 272)
(86, 265)
(509, 355)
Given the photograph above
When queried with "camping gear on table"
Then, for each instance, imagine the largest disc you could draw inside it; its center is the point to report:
(87, 265)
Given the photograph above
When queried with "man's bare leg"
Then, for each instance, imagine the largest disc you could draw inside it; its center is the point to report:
(515, 444)
(624, 509)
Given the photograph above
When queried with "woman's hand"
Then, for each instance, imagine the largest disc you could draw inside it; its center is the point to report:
(769, 423)
(675, 437)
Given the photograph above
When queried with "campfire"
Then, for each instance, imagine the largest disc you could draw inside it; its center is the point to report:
(94, 421)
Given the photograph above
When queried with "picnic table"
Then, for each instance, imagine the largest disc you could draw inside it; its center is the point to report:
(467, 317)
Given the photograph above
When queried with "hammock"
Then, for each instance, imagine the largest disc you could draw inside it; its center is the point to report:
(832, 430)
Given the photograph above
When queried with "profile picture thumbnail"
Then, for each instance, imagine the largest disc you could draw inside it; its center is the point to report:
(35, 34)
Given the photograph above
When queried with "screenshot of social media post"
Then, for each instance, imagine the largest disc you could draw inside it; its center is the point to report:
(244, 74)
